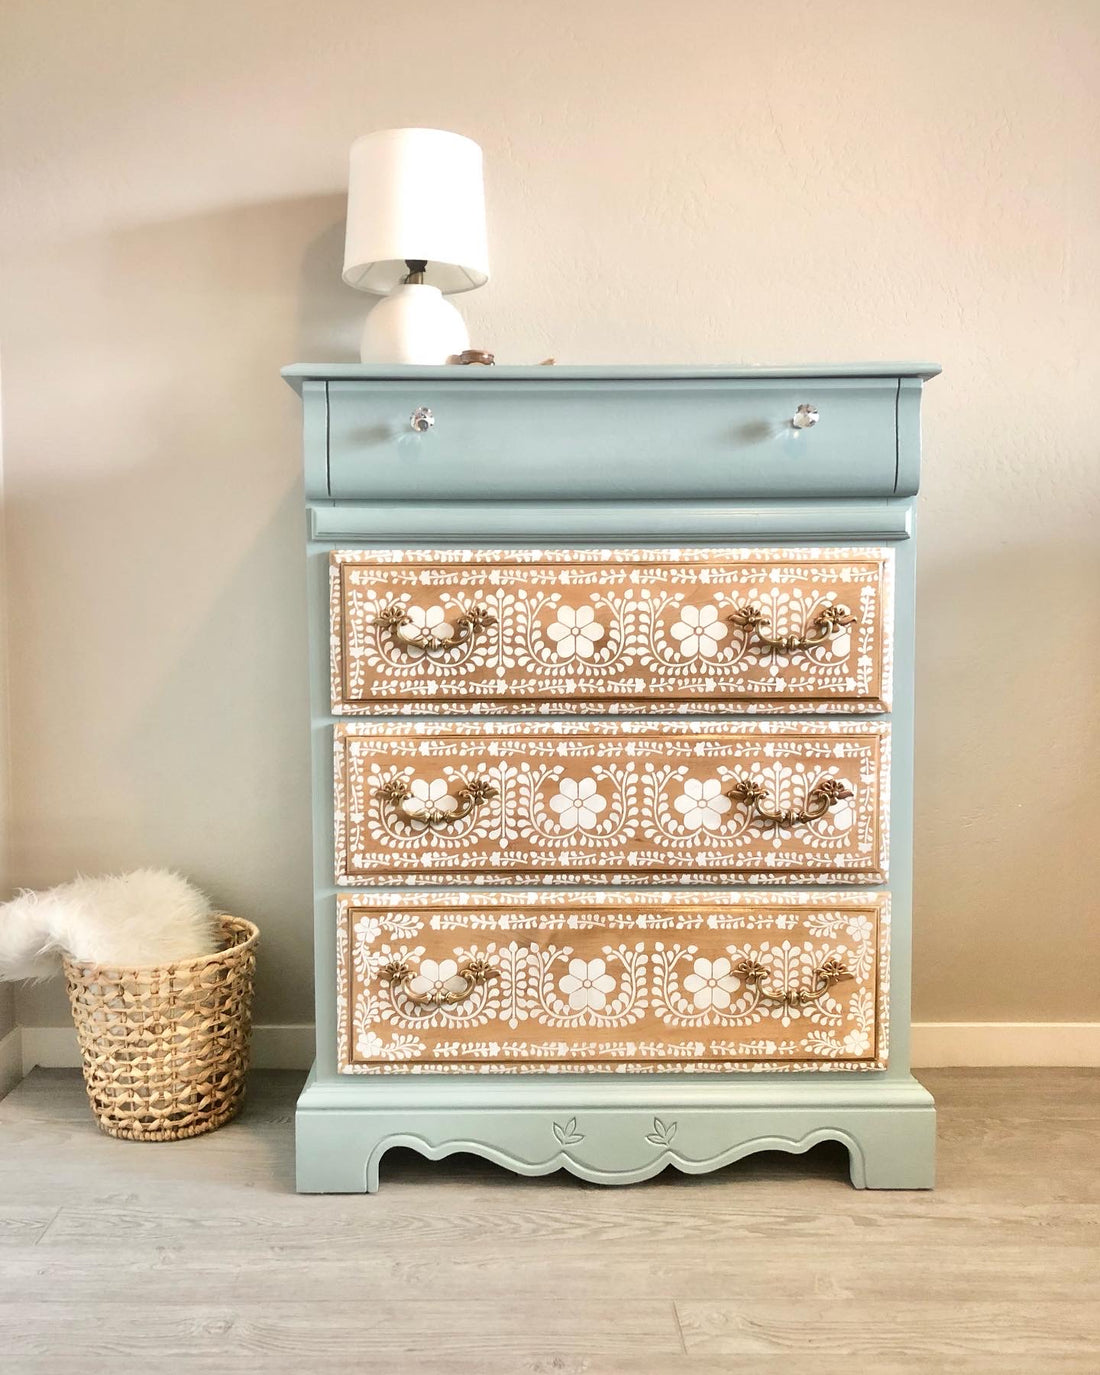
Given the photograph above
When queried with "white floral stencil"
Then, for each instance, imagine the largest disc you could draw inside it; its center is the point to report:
(623, 630)
(575, 632)
(424, 620)
(700, 630)
(434, 977)
(574, 980)
(621, 802)
(711, 982)
(577, 803)
(703, 803)
(587, 984)
(427, 795)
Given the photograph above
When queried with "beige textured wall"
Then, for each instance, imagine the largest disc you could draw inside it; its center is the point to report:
(699, 181)
(7, 992)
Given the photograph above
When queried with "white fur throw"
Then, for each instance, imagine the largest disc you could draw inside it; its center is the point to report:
(148, 917)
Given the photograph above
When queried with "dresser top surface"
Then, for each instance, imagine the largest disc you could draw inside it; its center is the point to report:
(297, 373)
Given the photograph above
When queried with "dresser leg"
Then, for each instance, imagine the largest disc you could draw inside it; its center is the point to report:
(895, 1149)
(330, 1155)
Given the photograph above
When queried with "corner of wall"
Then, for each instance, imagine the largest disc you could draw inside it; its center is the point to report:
(11, 1055)
(11, 1058)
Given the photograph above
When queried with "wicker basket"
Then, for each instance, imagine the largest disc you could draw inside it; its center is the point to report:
(165, 1047)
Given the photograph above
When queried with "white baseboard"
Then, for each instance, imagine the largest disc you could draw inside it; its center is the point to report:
(936, 1045)
(11, 1060)
(939, 1045)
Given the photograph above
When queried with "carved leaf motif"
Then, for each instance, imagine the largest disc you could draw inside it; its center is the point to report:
(568, 1135)
(663, 1133)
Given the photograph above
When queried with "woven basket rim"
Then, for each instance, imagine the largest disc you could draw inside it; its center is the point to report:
(88, 969)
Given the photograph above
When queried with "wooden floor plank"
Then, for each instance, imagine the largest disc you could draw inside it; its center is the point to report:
(199, 1254)
(207, 1217)
(22, 1224)
(317, 1334)
(1025, 1094)
(869, 1329)
(1051, 1272)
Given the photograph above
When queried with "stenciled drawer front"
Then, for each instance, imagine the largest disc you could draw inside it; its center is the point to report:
(627, 630)
(626, 801)
(581, 981)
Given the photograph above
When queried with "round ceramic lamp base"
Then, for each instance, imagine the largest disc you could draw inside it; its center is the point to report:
(413, 324)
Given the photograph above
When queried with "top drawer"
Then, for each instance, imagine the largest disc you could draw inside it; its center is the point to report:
(597, 440)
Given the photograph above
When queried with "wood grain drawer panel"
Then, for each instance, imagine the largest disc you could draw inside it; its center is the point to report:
(623, 801)
(626, 630)
(599, 981)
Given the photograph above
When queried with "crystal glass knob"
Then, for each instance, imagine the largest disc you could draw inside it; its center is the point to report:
(422, 419)
(804, 417)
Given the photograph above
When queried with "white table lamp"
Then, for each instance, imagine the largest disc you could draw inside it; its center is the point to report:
(416, 229)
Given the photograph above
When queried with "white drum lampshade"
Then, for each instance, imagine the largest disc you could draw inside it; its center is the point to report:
(415, 230)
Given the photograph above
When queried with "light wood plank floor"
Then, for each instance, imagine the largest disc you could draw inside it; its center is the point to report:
(197, 1256)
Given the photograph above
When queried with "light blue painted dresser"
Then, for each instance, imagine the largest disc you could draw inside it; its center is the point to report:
(612, 676)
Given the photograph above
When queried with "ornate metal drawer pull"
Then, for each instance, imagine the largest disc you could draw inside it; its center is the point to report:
(475, 972)
(827, 623)
(819, 799)
(472, 794)
(826, 974)
(396, 619)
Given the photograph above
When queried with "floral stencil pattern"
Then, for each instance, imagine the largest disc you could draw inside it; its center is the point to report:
(587, 984)
(575, 632)
(433, 976)
(607, 981)
(627, 802)
(711, 982)
(703, 803)
(700, 630)
(577, 804)
(627, 630)
(424, 620)
(426, 795)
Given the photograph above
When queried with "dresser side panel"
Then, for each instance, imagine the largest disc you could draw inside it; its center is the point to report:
(324, 889)
(907, 481)
(315, 439)
(900, 870)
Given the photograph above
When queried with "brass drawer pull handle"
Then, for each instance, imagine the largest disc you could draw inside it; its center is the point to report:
(400, 795)
(827, 623)
(475, 972)
(820, 798)
(396, 619)
(826, 974)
